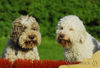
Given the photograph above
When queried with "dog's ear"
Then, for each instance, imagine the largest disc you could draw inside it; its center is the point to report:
(16, 31)
(39, 39)
(83, 37)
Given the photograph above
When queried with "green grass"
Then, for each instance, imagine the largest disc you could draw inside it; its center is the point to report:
(3, 42)
(49, 49)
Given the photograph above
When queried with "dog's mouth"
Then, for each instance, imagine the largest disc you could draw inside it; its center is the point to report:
(30, 43)
(64, 42)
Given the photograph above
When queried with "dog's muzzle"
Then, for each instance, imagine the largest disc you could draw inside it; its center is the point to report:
(63, 40)
(32, 40)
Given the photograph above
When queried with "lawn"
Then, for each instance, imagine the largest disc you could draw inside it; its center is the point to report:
(49, 48)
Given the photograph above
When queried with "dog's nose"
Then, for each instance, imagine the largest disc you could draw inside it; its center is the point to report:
(61, 35)
(31, 37)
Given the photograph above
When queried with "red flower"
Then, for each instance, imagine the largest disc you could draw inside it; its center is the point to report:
(5, 63)
(22, 64)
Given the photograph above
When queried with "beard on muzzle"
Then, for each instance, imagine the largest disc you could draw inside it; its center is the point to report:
(64, 42)
(28, 42)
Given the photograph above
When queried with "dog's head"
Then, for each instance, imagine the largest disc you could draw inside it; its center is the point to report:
(26, 32)
(70, 30)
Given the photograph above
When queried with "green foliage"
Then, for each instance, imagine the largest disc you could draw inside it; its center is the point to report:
(48, 13)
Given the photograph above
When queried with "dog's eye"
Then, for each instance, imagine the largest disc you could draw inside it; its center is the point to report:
(25, 27)
(71, 29)
(34, 29)
(61, 28)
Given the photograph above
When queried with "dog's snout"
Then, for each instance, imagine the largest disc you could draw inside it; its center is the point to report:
(31, 37)
(61, 35)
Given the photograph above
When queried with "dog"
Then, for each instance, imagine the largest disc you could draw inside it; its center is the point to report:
(78, 44)
(24, 38)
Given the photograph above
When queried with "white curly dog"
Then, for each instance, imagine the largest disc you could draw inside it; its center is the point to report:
(24, 38)
(76, 41)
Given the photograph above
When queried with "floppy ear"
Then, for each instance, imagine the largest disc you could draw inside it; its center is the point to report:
(83, 37)
(39, 40)
(16, 31)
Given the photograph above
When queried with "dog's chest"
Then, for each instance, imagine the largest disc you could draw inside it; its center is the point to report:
(78, 53)
(25, 54)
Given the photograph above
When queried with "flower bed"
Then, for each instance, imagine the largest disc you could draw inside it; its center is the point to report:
(5, 63)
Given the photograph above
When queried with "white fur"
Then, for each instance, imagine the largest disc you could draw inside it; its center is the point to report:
(82, 42)
(27, 21)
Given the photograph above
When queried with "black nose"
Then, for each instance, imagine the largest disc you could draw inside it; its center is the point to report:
(61, 35)
(31, 37)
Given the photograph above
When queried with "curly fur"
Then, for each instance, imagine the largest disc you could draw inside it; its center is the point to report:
(76, 41)
(24, 38)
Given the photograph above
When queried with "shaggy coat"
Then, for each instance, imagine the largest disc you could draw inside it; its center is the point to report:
(78, 44)
(24, 38)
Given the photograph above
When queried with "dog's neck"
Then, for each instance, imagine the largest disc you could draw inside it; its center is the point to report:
(22, 49)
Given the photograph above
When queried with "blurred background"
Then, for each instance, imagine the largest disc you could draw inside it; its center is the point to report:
(48, 13)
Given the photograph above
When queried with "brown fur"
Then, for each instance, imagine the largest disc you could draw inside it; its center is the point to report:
(24, 38)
